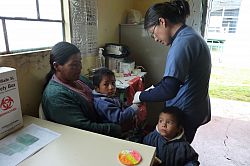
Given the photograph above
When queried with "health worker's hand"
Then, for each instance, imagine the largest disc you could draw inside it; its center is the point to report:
(136, 98)
(151, 87)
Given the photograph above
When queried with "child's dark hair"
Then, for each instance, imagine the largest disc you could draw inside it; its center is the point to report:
(176, 12)
(98, 75)
(176, 112)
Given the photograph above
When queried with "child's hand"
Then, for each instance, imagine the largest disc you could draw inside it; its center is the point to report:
(157, 161)
(136, 107)
(138, 104)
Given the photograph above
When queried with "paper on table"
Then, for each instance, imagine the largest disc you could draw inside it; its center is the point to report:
(23, 143)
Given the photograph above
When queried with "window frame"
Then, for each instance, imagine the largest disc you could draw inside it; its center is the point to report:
(5, 33)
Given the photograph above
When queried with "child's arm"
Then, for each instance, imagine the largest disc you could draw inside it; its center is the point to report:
(113, 112)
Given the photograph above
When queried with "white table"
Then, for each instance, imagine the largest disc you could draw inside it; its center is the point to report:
(77, 147)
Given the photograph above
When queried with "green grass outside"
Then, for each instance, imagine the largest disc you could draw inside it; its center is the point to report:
(230, 83)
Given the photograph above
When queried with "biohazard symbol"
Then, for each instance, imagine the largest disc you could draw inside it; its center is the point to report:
(6, 103)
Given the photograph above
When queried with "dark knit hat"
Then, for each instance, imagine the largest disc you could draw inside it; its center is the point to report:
(61, 52)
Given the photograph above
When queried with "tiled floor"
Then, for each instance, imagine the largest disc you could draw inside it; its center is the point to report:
(225, 141)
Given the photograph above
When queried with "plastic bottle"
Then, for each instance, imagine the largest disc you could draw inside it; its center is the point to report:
(101, 58)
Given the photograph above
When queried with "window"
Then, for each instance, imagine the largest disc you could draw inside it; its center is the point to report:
(224, 16)
(29, 24)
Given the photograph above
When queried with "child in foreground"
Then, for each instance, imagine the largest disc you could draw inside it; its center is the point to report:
(168, 138)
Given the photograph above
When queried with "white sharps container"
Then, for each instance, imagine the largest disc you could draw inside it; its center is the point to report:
(10, 107)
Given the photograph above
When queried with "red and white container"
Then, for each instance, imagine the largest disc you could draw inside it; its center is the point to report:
(10, 108)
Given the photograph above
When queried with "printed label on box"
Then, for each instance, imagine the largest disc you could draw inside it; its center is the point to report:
(10, 108)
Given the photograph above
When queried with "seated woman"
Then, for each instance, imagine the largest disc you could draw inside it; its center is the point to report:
(67, 97)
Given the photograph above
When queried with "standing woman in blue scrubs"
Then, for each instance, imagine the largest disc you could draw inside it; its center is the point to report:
(188, 65)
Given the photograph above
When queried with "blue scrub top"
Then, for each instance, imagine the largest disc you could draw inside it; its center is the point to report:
(189, 61)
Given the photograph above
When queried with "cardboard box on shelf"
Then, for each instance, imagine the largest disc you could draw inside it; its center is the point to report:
(127, 67)
(10, 108)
